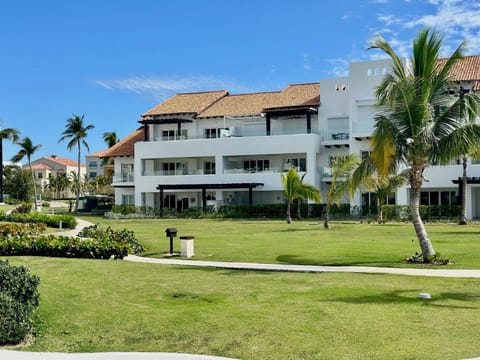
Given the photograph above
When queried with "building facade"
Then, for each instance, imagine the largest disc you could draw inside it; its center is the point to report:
(214, 148)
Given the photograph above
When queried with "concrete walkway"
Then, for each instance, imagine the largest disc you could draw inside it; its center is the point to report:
(310, 268)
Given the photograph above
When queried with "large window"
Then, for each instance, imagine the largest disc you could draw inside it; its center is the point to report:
(256, 165)
(128, 199)
(300, 164)
(168, 135)
(127, 172)
(173, 168)
(169, 201)
(438, 198)
(209, 167)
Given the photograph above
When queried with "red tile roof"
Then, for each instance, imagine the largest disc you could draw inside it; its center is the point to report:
(62, 161)
(186, 103)
(124, 147)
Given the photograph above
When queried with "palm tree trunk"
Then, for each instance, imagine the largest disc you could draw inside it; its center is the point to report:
(77, 200)
(463, 211)
(425, 245)
(326, 224)
(289, 217)
(299, 213)
(34, 186)
(379, 210)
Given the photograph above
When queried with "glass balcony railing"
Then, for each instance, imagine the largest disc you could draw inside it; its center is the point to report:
(123, 178)
(178, 172)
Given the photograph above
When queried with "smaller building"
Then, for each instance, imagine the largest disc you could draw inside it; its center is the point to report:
(46, 168)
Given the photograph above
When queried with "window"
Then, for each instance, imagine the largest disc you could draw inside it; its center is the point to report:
(214, 133)
(40, 176)
(300, 164)
(173, 168)
(92, 175)
(169, 201)
(438, 198)
(168, 135)
(369, 72)
(127, 172)
(209, 167)
(256, 165)
(92, 164)
(128, 199)
(336, 159)
(377, 71)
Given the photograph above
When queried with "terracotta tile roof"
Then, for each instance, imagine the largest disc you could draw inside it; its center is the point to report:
(241, 104)
(255, 103)
(39, 167)
(467, 69)
(124, 147)
(299, 94)
(62, 161)
(186, 103)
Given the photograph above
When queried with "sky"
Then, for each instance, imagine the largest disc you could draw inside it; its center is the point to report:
(113, 60)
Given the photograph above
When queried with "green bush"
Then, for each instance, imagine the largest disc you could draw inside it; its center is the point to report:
(19, 297)
(123, 236)
(67, 221)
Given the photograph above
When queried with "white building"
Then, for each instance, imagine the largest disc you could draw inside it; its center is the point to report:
(218, 148)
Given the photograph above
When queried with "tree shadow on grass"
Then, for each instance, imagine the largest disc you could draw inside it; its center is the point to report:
(299, 260)
(411, 297)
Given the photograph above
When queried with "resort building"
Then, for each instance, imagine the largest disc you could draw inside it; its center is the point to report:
(53, 166)
(214, 148)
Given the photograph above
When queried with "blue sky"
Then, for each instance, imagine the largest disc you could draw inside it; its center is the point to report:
(112, 60)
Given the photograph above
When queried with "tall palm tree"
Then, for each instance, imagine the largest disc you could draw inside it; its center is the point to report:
(418, 120)
(342, 168)
(295, 188)
(367, 176)
(110, 138)
(76, 132)
(11, 134)
(27, 149)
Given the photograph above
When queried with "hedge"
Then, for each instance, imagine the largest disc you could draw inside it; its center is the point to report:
(66, 221)
(19, 298)
(97, 243)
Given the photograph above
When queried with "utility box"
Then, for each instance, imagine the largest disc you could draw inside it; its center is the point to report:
(186, 246)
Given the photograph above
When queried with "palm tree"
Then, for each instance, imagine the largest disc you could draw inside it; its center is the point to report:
(367, 176)
(27, 149)
(295, 188)
(11, 134)
(110, 138)
(418, 122)
(76, 132)
(342, 167)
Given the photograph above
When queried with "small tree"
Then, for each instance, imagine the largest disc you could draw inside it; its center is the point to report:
(76, 132)
(342, 167)
(27, 149)
(11, 134)
(294, 189)
(367, 176)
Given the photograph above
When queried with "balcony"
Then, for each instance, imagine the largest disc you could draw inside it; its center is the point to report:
(124, 178)
(178, 172)
(337, 138)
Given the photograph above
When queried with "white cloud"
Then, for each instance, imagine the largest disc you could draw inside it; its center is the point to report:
(339, 67)
(457, 20)
(162, 87)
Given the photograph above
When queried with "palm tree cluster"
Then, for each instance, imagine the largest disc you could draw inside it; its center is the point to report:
(76, 132)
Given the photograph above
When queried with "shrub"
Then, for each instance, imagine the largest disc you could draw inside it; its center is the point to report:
(19, 297)
(124, 237)
(67, 221)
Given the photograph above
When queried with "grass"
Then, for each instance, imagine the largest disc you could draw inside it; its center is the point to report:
(302, 242)
(95, 305)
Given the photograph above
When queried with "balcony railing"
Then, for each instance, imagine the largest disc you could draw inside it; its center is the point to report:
(174, 172)
(238, 132)
(336, 135)
(251, 171)
(126, 178)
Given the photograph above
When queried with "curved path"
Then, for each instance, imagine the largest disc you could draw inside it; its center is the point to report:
(460, 273)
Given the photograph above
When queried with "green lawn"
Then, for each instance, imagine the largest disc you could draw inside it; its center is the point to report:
(303, 242)
(98, 305)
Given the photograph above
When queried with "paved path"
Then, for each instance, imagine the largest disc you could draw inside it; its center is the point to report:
(311, 268)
